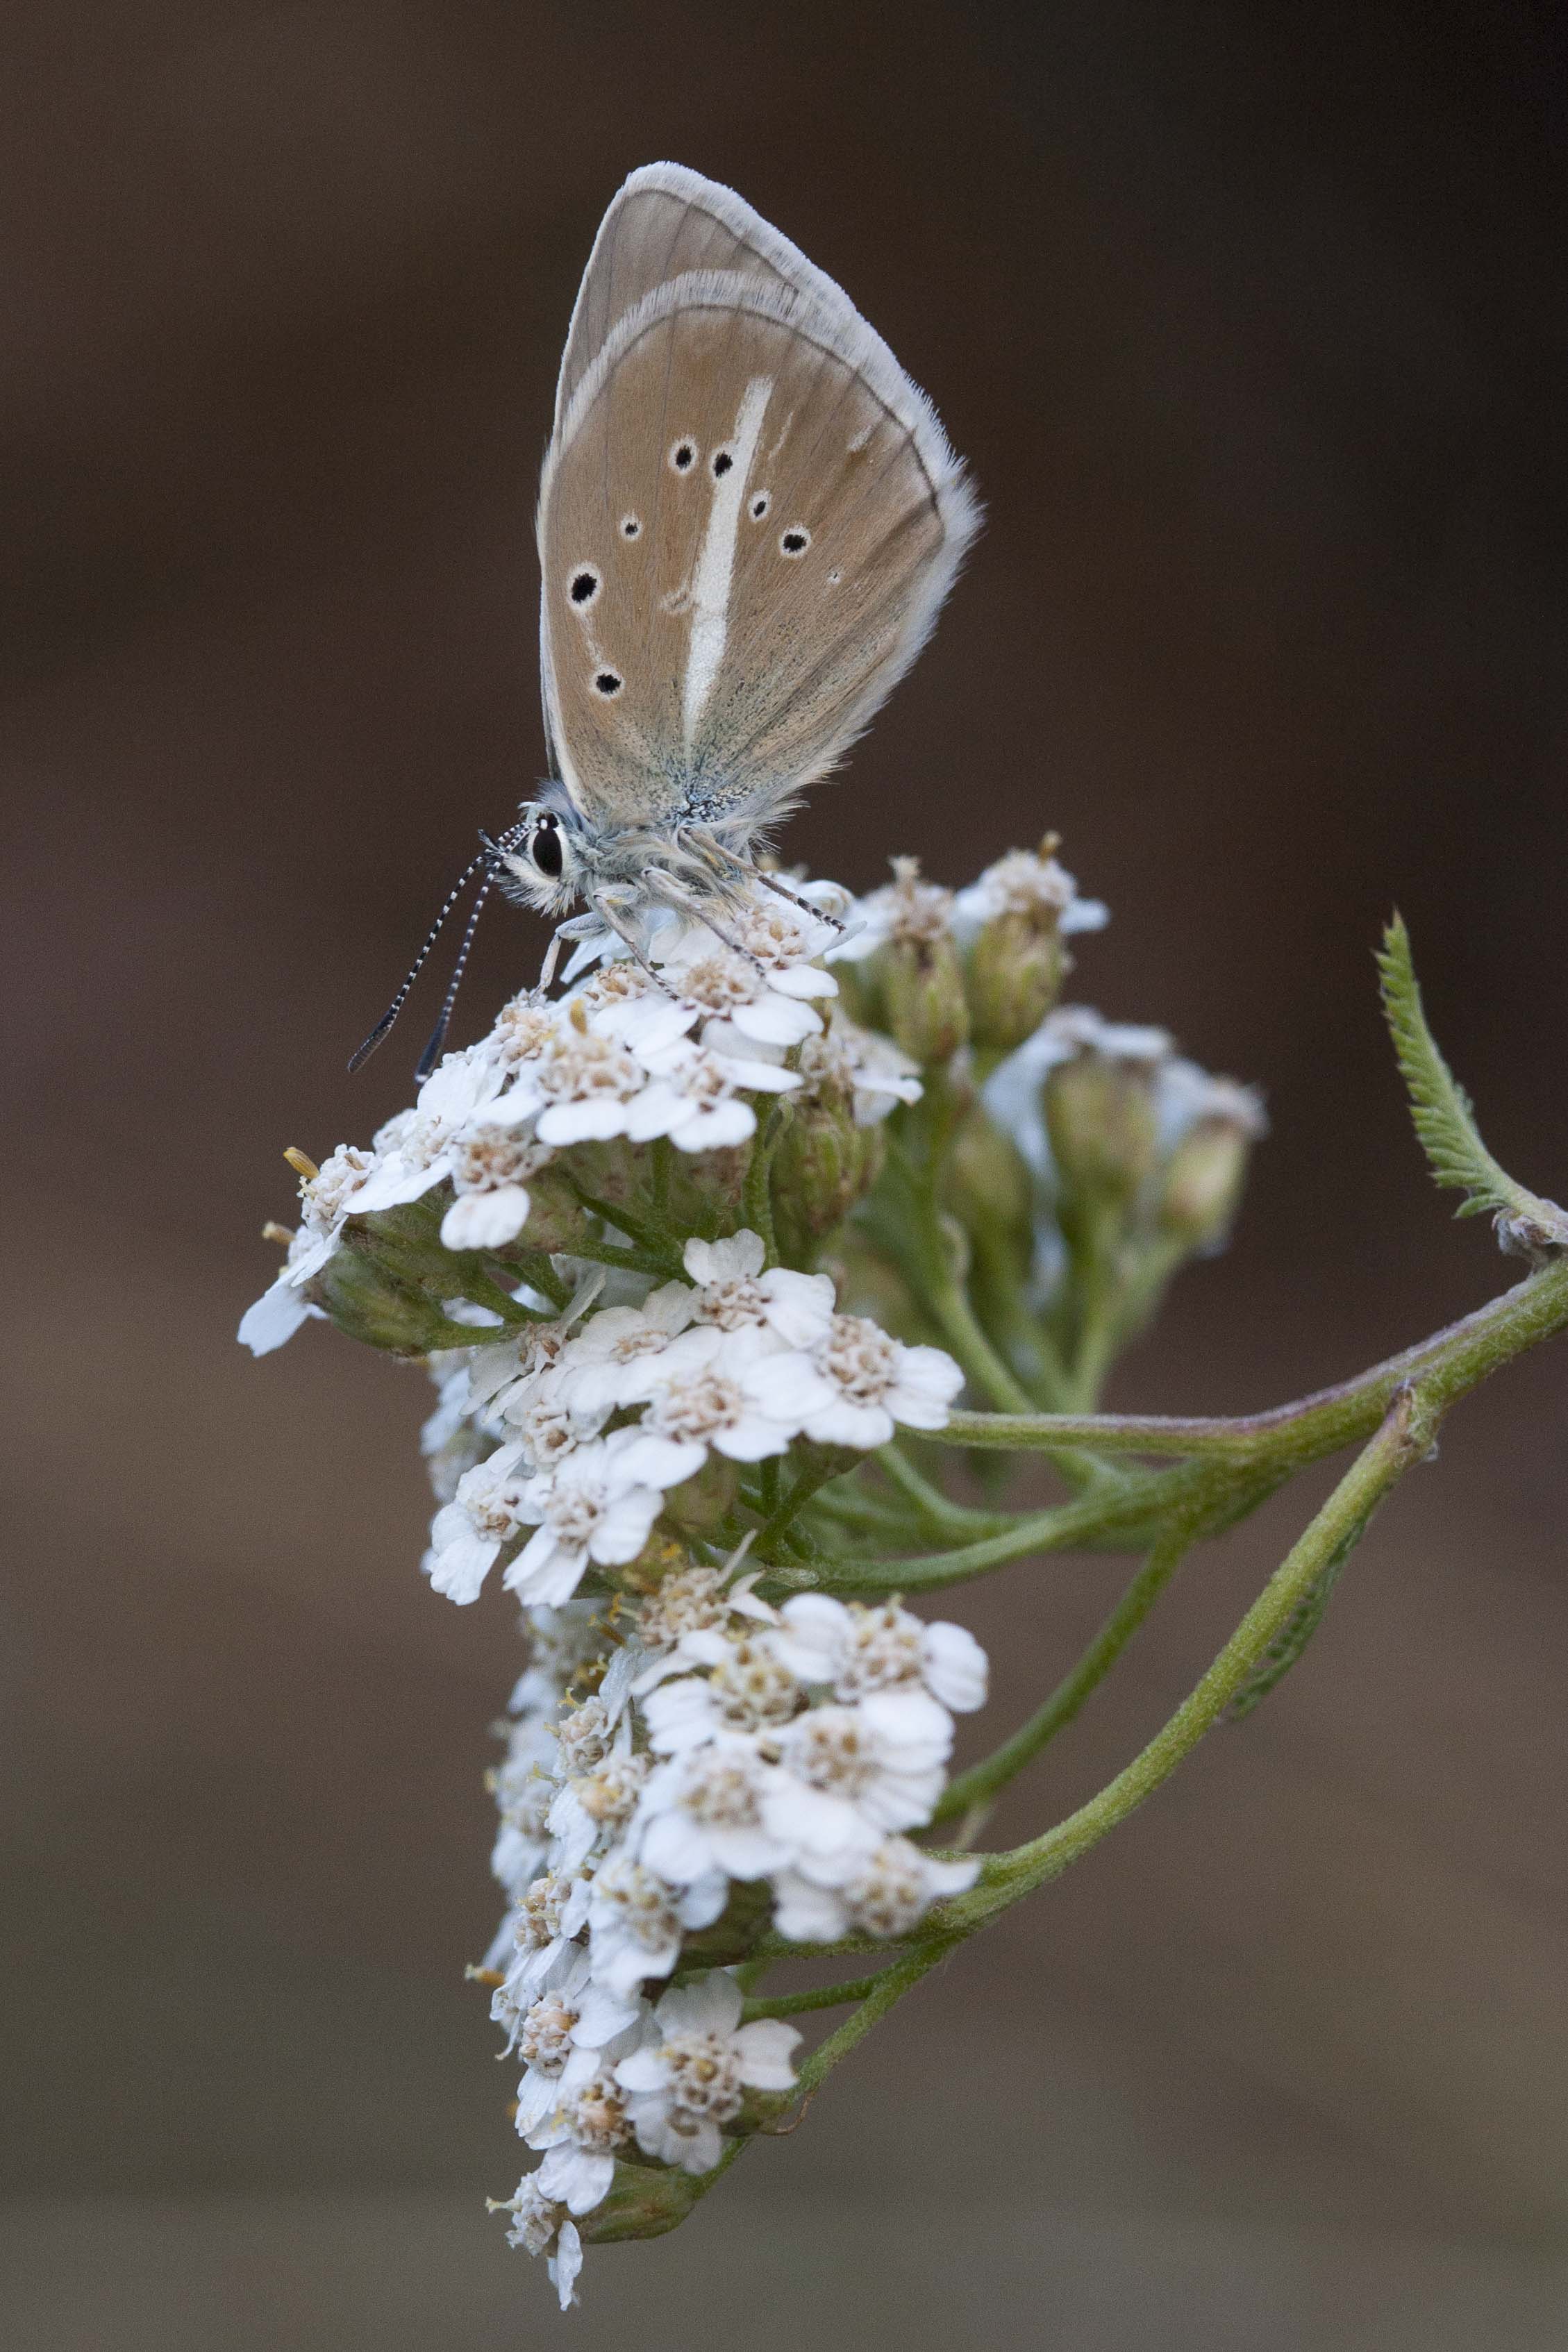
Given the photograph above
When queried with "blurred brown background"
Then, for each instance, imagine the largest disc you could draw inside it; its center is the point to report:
(1251, 322)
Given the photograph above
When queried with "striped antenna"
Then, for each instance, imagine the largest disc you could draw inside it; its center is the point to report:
(437, 1038)
(486, 857)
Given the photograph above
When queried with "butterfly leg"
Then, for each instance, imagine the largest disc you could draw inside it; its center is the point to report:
(580, 926)
(610, 916)
(716, 851)
(687, 903)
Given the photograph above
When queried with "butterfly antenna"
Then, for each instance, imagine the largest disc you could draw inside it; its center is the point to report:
(437, 1037)
(486, 857)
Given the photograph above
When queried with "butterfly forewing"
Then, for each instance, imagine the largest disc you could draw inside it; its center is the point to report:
(749, 518)
(665, 223)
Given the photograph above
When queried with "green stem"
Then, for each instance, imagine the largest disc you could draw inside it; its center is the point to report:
(771, 1947)
(940, 1514)
(1291, 1435)
(652, 1254)
(661, 1156)
(793, 2004)
(1199, 1496)
(756, 1194)
(886, 1988)
(1404, 1437)
(948, 1303)
(813, 1475)
(982, 1781)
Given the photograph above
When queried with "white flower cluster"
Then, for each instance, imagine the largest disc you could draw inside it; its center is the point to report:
(727, 1741)
(737, 1362)
(624, 1054)
(917, 913)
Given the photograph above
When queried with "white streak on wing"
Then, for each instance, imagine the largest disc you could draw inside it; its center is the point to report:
(710, 581)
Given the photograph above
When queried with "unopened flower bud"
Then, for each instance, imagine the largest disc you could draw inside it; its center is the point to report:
(923, 989)
(824, 1161)
(642, 2201)
(906, 976)
(702, 1502)
(1101, 1116)
(363, 1290)
(1203, 1176)
(1012, 921)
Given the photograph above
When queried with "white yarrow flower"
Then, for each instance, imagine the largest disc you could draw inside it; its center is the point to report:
(689, 2077)
(874, 1383)
(733, 1293)
(853, 1649)
(598, 1505)
(542, 2225)
(884, 1893)
(1027, 882)
(636, 1921)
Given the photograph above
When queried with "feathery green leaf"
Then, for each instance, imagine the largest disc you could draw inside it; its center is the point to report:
(1444, 1121)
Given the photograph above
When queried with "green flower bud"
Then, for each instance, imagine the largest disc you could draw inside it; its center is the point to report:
(922, 988)
(705, 1501)
(370, 1296)
(824, 1162)
(1015, 976)
(911, 983)
(1101, 1117)
(1201, 1181)
(1014, 919)
(644, 2201)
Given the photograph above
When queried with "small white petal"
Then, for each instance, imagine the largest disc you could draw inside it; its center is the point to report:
(957, 1668)
(711, 2005)
(763, 2048)
(485, 1220)
(275, 1317)
(802, 980)
(716, 1130)
(565, 2264)
(597, 1121)
(776, 1019)
(807, 1914)
(645, 2070)
(459, 1567)
(863, 1426)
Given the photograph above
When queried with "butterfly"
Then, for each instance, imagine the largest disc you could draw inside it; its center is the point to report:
(749, 518)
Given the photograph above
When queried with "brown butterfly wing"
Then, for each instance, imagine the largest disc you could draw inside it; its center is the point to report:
(664, 222)
(749, 518)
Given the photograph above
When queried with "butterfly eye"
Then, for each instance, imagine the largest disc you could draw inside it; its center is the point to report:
(721, 463)
(584, 585)
(545, 848)
(608, 683)
(760, 505)
(683, 455)
(631, 526)
(795, 541)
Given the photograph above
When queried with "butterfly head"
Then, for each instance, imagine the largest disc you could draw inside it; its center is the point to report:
(541, 864)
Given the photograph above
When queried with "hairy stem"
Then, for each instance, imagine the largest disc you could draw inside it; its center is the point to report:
(1292, 1436)
(890, 1986)
(982, 1781)
(794, 2004)
(1405, 1436)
